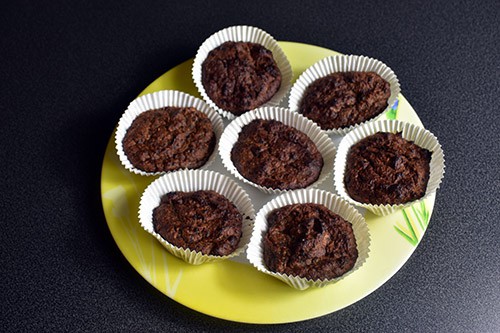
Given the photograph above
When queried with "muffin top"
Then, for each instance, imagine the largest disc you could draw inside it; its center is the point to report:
(384, 168)
(272, 154)
(308, 240)
(168, 139)
(202, 221)
(343, 99)
(240, 76)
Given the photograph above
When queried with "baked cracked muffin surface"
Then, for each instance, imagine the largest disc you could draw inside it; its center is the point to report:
(310, 241)
(272, 154)
(346, 98)
(384, 168)
(168, 139)
(203, 221)
(240, 76)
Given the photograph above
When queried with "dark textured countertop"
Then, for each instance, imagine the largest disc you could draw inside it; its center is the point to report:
(69, 69)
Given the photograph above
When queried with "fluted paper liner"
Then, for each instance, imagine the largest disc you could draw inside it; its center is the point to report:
(334, 203)
(231, 133)
(343, 63)
(158, 100)
(420, 136)
(243, 34)
(195, 180)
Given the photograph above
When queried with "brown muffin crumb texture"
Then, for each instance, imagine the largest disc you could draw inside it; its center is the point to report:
(384, 168)
(310, 241)
(240, 76)
(168, 139)
(272, 154)
(203, 221)
(343, 99)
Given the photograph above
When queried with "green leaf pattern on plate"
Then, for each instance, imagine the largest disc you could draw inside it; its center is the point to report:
(409, 229)
(393, 112)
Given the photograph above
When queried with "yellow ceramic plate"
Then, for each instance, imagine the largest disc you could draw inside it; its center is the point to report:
(234, 290)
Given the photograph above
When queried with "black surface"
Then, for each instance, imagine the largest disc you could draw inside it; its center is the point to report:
(67, 71)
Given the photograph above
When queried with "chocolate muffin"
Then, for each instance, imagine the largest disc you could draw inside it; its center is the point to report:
(168, 139)
(310, 241)
(272, 154)
(240, 76)
(343, 99)
(384, 168)
(203, 221)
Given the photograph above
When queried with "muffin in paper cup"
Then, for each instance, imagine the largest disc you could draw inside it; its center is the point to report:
(243, 34)
(189, 181)
(156, 100)
(339, 64)
(419, 135)
(231, 133)
(331, 201)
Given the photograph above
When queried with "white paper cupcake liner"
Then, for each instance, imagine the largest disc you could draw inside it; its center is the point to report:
(195, 180)
(231, 133)
(333, 203)
(420, 136)
(158, 100)
(243, 34)
(343, 63)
